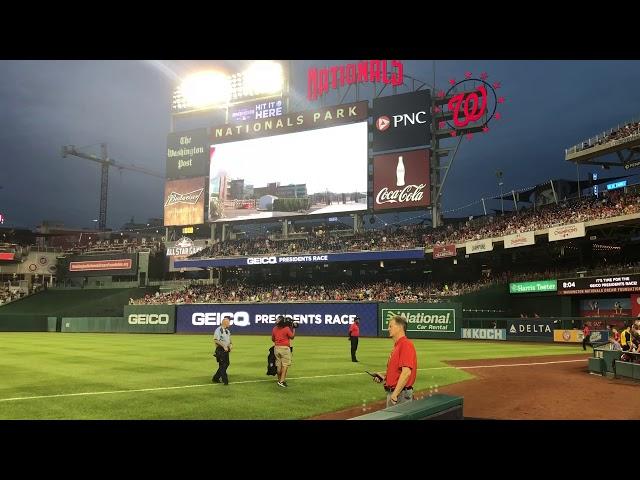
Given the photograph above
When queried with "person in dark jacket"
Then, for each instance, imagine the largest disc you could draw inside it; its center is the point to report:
(272, 369)
(354, 335)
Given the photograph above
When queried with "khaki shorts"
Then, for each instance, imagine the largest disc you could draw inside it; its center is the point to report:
(283, 356)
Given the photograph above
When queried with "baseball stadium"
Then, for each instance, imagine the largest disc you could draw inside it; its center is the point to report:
(522, 304)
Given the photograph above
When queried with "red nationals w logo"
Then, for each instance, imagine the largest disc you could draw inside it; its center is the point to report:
(473, 106)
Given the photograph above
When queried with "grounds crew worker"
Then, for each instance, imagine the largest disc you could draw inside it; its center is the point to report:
(354, 334)
(222, 339)
(402, 366)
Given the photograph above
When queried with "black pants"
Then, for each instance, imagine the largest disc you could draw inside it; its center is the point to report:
(354, 347)
(223, 364)
(586, 341)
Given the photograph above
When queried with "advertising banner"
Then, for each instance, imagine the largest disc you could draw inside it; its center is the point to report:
(270, 108)
(102, 265)
(519, 239)
(150, 318)
(188, 154)
(537, 286)
(606, 307)
(401, 121)
(576, 336)
(563, 232)
(184, 202)
(443, 251)
(534, 329)
(608, 284)
(484, 333)
(413, 254)
(424, 320)
(293, 122)
(401, 180)
(120, 264)
(325, 319)
(478, 246)
(181, 249)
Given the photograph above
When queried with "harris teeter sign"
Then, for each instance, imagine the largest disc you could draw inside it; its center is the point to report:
(424, 320)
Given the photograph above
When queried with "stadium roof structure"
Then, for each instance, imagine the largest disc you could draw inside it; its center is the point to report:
(593, 150)
(567, 187)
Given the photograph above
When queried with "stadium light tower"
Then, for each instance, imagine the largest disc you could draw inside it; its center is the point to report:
(212, 89)
(215, 90)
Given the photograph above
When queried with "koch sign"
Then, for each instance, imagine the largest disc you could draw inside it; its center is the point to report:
(401, 121)
(609, 284)
(414, 254)
(329, 319)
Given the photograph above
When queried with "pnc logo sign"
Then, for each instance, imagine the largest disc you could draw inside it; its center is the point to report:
(148, 319)
(383, 123)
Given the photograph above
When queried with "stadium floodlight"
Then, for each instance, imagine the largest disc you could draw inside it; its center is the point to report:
(263, 77)
(202, 90)
(211, 89)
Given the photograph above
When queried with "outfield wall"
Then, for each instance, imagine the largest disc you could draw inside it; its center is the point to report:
(136, 319)
(24, 323)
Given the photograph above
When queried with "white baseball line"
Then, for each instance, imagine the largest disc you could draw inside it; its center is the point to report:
(269, 380)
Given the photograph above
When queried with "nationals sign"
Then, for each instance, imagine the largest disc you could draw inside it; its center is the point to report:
(401, 180)
(320, 80)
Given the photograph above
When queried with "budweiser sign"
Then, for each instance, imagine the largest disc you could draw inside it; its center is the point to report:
(320, 80)
(184, 201)
(401, 180)
(190, 198)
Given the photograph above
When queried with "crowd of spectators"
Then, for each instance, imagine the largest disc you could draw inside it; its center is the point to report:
(8, 294)
(608, 205)
(386, 291)
(560, 273)
(625, 131)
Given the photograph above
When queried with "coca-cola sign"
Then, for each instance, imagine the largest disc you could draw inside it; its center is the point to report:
(401, 180)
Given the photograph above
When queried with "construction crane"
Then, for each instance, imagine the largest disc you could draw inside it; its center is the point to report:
(105, 163)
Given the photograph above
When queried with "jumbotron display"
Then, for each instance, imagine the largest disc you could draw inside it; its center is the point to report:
(318, 171)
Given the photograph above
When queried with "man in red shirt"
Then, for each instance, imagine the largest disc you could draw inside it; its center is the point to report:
(586, 336)
(354, 334)
(402, 366)
(281, 336)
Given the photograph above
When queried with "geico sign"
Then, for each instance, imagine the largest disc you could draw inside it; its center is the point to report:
(240, 319)
(261, 260)
(148, 319)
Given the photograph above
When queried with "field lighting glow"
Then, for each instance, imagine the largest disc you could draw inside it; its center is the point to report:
(215, 89)
(205, 89)
(263, 77)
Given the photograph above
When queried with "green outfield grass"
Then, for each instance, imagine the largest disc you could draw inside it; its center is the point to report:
(101, 368)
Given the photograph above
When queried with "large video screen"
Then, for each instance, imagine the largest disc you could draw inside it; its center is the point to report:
(319, 171)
